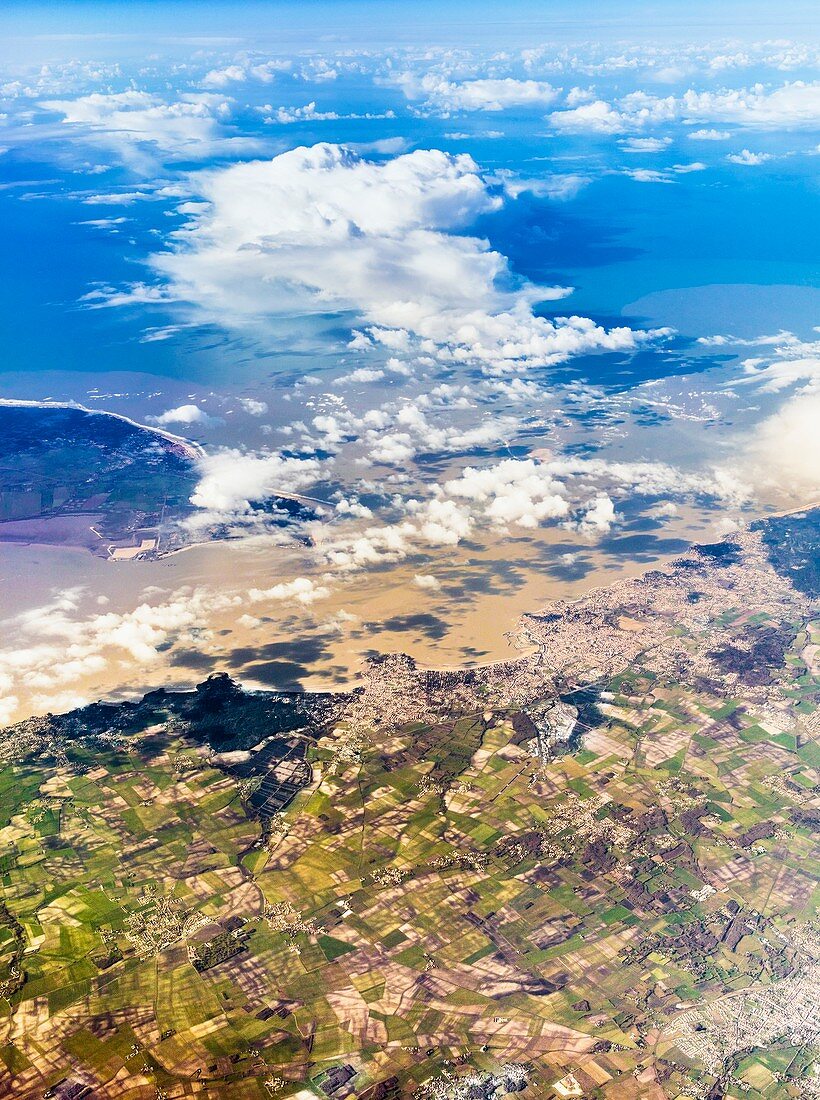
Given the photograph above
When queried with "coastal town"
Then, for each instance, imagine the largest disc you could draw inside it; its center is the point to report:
(586, 872)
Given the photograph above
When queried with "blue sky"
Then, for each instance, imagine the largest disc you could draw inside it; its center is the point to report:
(422, 20)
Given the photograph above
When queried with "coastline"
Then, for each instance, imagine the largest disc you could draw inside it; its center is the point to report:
(193, 450)
(527, 648)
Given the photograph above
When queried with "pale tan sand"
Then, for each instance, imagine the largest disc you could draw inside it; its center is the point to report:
(484, 591)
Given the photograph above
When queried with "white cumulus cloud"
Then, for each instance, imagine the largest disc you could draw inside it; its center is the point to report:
(185, 415)
(486, 94)
(790, 106)
(232, 480)
(324, 231)
(140, 125)
(748, 158)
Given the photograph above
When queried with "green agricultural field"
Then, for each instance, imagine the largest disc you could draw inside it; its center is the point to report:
(353, 904)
